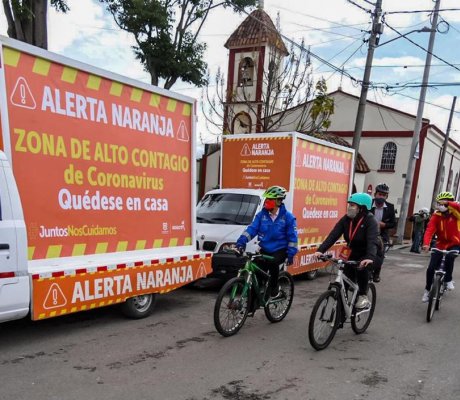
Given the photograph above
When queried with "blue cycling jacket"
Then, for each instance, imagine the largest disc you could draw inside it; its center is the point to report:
(273, 235)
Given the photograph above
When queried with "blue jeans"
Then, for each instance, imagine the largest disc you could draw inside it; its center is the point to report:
(434, 263)
(417, 242)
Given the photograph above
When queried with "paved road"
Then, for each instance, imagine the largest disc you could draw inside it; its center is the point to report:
(177, 354)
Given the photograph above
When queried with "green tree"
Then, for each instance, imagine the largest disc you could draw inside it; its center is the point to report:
(166, 33)
(27, 19)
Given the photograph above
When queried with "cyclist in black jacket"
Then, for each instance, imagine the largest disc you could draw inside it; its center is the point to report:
(361, 232)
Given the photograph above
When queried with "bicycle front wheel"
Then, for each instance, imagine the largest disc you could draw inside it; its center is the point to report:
(361, 318)
(433, 297)
(276, 310)
(231, 308)
(324, 320)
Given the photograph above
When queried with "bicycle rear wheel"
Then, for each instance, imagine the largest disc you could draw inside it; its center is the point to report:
(231, 308)
(324, 320)
(276, 310)
(361, 318)
(433, 296)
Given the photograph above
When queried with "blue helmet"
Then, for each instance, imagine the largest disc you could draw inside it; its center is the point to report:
(362, 199)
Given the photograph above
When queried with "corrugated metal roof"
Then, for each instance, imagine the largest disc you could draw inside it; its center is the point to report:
(256, 29)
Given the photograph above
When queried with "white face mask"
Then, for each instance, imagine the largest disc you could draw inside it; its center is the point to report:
(442, 208)
(352, 212)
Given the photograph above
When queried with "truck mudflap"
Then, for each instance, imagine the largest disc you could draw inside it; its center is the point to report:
(305, 261)
(64, 292)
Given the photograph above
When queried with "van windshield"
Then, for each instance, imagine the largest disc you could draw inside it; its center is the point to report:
(227, 208)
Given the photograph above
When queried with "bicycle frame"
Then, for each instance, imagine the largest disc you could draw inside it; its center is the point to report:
(339, 283)
(251, 269)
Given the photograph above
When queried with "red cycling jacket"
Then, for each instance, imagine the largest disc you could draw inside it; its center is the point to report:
(445, 226)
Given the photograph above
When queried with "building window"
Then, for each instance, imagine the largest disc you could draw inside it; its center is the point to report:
(388, 157)
(246, 72)
(449, 180)
(454, 191)
(242, 123)
(441, 180)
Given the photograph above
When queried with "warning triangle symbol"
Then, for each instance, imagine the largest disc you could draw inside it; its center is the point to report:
(22, 95)
(182, 133)
(55, 298)
(246, 151)
(201, 273)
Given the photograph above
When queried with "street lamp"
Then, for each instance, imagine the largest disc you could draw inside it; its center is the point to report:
(424, 29)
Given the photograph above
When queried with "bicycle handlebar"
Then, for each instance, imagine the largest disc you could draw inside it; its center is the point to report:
(446, 252)
(328, 257)
(251, 256)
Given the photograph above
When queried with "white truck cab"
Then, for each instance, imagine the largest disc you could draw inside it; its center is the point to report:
(222, 216)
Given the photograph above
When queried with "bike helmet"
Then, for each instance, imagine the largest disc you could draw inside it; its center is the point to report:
(382, 188)
(424, 210)
(445, 196)
(275, 192)
(361, 199)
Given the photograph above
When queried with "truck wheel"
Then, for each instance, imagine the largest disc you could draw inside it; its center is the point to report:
(139, 306)
(310, 275)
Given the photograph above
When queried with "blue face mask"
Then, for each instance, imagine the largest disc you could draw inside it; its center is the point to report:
(379, 201)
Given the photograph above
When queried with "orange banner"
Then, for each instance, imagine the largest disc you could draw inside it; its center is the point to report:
(305, 261)
(80, 291)
(101, 166)
(321, 188)
(256, 163)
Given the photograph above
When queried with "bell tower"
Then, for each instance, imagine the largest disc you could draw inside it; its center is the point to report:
(251, 46)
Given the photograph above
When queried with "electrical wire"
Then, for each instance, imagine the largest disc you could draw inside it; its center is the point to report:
(419, 11)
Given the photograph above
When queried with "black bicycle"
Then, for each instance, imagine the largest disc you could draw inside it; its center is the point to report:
(243, 295)
(439, 287)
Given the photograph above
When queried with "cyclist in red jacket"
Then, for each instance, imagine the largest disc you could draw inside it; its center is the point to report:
(445, 223)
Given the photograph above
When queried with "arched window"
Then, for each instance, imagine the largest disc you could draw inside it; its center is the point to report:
(246, 72)
(449, 180)
(242, 123)
(455, 190)
(388, 157)
(441, 179)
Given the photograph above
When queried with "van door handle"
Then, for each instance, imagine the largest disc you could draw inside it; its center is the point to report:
(4, 246)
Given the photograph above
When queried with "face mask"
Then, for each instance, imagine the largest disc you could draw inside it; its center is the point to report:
(352, 212)
(269, 204)
(442, 208)
(379, 201)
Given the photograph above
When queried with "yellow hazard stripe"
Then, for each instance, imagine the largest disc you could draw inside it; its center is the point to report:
(41, 66)
(11, 57)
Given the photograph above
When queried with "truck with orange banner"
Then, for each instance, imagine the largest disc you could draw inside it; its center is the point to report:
(317, 175)
(97, 188)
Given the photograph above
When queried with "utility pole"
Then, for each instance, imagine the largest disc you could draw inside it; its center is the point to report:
(418, 126)
(437, 189)
(377, 29)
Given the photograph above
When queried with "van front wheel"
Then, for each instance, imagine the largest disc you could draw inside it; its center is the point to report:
(139, 306)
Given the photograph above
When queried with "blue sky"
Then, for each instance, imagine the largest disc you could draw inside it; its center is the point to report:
(87, 33)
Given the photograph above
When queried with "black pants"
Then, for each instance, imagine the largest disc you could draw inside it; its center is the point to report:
(361, 276)
(273, 266)
(435, 261)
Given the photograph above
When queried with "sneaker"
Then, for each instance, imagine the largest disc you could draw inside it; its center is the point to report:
(362, 302)
(376, 279)
(426, 296)
(450, 285)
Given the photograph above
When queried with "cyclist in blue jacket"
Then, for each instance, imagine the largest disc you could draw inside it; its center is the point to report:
(277, 232)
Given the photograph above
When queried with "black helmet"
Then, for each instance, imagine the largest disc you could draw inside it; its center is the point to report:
(382, 188)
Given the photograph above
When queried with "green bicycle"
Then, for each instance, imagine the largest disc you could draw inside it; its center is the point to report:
(248, 292)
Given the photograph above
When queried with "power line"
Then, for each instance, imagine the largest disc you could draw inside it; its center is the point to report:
(419, 11)
(421, 47)
(360, 7)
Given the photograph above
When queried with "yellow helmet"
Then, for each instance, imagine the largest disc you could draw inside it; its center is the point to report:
(445, 196)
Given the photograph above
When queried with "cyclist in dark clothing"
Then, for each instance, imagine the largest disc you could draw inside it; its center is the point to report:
(385, 215)
(360, 230)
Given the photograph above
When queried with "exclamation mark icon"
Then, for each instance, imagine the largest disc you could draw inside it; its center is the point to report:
(22, 92)
(55, 297)
(22, 95)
